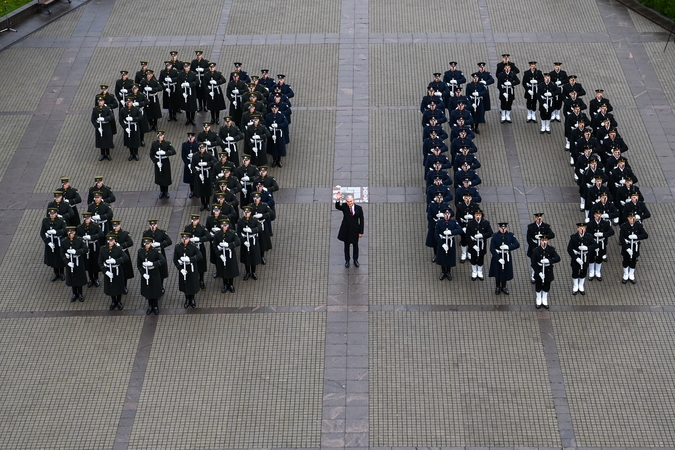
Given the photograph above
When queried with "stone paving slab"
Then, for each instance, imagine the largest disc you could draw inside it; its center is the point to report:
(64, 380)
(459, 379)
(259, 387)
(12, 128)
(410, 17)
(642, 25)
(319, 89)
(157, 18)
(516, 17)
(64, 27)
(617, 375)
(297, 16)
(660, 61)
(390, 87)
(14, 82)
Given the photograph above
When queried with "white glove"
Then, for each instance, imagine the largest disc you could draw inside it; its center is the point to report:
(475, 247)
(128, 119)
(256, 137)
(214, 230)
(483, 81)
(208, 143)
(439, 215)
(123, 90)
(247, 229)
(147, 89)
(135, 103)
(245, 178)
(503, 247)
(464, 230)
(161, 152)
(629, 251)
(447, 232)
(185, 259)
(70, 251)
(265, 189)
(445, 247)
(202, 164)
(579, 261)
(86, 237)
(51, 245)
(183, 272)
(632, 236)
(146, 276)
(478, 235)
(223, 259)
(155, 244)
(637, 216)
(184, 84)
(468, 217)
(530, 92)
(576, 252)
(598, 234)
(167, 79)
(501, 261)
(604, 216)
(214, 82)
(148, 264)
(622, 181)
(235, 91)
(66, 200)
(199, 69)
(545, 261)
(247, 244)
(257, 216)
(109, 274)
(100, 119)
(194, 239)
(274, 125)
(51, 231)
(583, 248)
(229, 139)
(110, 261)
(507, 83)
(223, 244)
(542, 276)
(59, 216)
(96, 217)
(616, 220)
(71, 265)
(505, 95)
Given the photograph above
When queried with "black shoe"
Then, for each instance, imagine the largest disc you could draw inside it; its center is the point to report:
(280, 164)
(126, 291)
(582, 292)
(247, 276)
(497, 291)
(538, 306)
(55, 277)
(441, 276)
(476, 131)
(148, 311)
(191, 194)
(142, 143)
(505, 291)
(161, 195)
(574, 292)
(448, 276)
(101, 158)
(63, 277)
(532, 280)
(202, 285)
(193, 123)
(202, 208)
(113, 305)
(232, 288)
(624, 281)
(73, 298)
(545, 306)
(130, 157)
(223, 289)
(542, 131)
(187, 122)
(356, 263)
(598, 278)
(186, 304)
(193, 303)
(254, 276)
(90, 283)
(433, 260)
(97, 283)
(108, 157)
(120, 306)
(480, 277)
(156, 310)
(207, 207)
(264, 261)
(81, 298)
(137, 158)
(346, 265)
(166, 194)
(632, 281)
(215, 275)
(274, 163)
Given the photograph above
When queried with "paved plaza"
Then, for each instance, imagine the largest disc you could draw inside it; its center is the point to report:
(313, 355)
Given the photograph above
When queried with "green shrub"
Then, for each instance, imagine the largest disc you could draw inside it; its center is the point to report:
(665, 7)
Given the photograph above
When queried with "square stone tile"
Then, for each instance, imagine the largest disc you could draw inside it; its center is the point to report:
(412, 17)
(61, 27)
(14, 84)
(517, 17)
(12, 128)
(296, 16)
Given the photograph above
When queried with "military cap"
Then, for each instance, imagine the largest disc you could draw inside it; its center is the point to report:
(603, 194)
(237, 64)
(539, 214)
(439, 194)
(460, 102)
(437, 163)
(144, 63)
(100, 98)
(245, 156)
(212, 64)
(135, 86)
(481, 64)
(557, 64)
(543, 238)
(466, 179)
(185, 235)
(98, 194)
(437, 74)
(224, 222)
(222, 182)
(199, 52)
(438, 179)
(546, 74)
(58, 193)
(215, 206)
(588, 130)
(612, 130)
(116, 222)
(220, 195)
(52, 210)
(629, 179)
(147, 240)
(603, 105)
(153, 221)
(281, 76)
(263, 168)
(599, 91)
(475, 75)
(274, 106)
(130, 98)
(228, 118)
(447, 211)
(255, 78)
(168, 63)
(222, 154)
(533, 63)
(478, 211)
(598, 211)
(255, 116)
(247, 208)
(502, 224)
(64, 180)
(635, 194)
(191, 134)
(86, 214)
(573, 77)
(206, 124)
(452, 63)
(581, 225)
(234, 74)
(202, 145)
(111, 236)
(194, 216)
(467, 194)
(149, 72)
(264, 70)
(104, 87)
(160, 132)
(256, 195)
(463, 130)
(575, 105)
(622, 159)
(124, 72)
(250, 104)
(186, 64)
(173, 52)
(505, 55)
(250, 84)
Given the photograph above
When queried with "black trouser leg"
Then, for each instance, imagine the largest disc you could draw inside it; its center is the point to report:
(252, 269)
(346, 251)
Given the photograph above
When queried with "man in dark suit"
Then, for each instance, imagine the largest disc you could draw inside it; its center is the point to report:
(351, 229)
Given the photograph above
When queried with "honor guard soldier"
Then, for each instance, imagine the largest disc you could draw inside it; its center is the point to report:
(222, 171)
(199, 66)
(613, 141)
(594, 105)
(269, 184)
(593, 193)
(106, 193)
(188, 85)
(630, 235)
(618, 176)
(461, 113)
(264, 215)
(213, 92)
(464, 173)
(464, 189)
(177, 63)
(476, 92)
(94, 239)
(465, 211)
(149, 262)
(636, 207)
(52, 231)
(229, 135)
(210, 138)
(507, 81)
(227, 211)
(559, 78)
(141, 102)
(243, 76)
(202, 164)
(246, 173)
(501, 264)
(123, 240)
(160, 151)
(573, 85)
(152, 89)
(486, 79)
(607, 209)
(255, 141)
(160, 241)
(103, 120)
(546, 91)
(111, 102)
(123, 87)
(453, 77)
(72, 197)
(542, 261)
(186, 256)
(285, 88)
(199, 235)
(100, 212)
(265, 79)
(531, 80)
(430, 98)
(235, 91)
(73, 250)
(248, 229)
(65, 211)
(464, 156)
(602, 117)
(259, 88)
(438, 187)
(278, 127)
(535, 231)
(445, 230)
(130, 122)
(601, 229)
(478, 232)
(580, 247)
(434, 214)
(140, 75)
(506, 60)
(111, 261)
(433, 111)
(171, 98)
(188, 150)
(624, 193)
(224, 247)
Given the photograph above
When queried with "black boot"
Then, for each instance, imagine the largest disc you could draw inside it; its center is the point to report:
(102, 157)
(150, 308)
